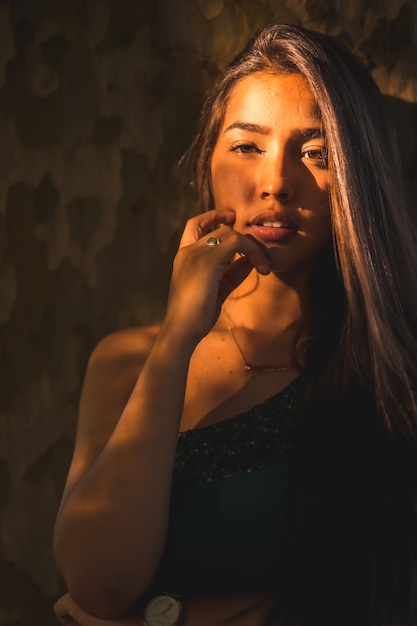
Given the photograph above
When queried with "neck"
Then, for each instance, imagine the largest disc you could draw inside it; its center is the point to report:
(265, 303)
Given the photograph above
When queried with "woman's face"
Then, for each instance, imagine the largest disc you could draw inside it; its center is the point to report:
(269, 166)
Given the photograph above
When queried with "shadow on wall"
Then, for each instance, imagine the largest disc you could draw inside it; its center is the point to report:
(22, 602)
(97, 101)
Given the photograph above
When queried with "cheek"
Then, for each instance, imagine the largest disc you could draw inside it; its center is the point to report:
(321, 222)
(321, 212)
(229, 184)
(317, 217)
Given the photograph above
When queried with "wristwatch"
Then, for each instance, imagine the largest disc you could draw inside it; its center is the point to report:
(163, 610)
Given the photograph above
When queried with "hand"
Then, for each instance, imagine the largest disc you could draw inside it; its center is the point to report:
(204, 276)
(70, 614)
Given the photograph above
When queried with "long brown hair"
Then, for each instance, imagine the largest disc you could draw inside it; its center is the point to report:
(374, 244)
(361, 341)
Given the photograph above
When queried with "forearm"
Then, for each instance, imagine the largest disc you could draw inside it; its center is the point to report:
(111, 530)
(112, 524)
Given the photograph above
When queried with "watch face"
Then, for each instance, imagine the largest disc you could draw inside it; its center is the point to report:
(163, 611)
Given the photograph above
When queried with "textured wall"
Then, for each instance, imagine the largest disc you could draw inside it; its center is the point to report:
(98, 100)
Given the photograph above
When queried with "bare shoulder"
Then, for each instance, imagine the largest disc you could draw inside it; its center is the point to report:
(124, 349)
(112, 372)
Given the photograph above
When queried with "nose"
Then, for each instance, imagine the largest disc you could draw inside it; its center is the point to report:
(276, 178)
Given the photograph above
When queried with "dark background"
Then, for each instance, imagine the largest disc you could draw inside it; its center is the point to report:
(98, 101)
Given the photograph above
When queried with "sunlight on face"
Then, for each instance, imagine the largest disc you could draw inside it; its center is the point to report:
(269, 165)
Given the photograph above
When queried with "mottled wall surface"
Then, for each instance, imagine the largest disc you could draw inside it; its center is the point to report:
(98, 100)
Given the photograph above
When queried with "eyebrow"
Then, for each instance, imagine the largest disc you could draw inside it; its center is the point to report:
(252, 128)
(315, 132)
(312, 133)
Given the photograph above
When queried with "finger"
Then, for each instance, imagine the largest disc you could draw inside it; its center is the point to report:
(232, 243)
(60, 609)
(63, 616)
(66, 611)
(204, 223)
(234, 276)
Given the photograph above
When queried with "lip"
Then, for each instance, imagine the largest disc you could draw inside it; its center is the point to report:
(272, 226)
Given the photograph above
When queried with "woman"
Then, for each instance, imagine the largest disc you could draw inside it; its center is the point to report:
(252, 459)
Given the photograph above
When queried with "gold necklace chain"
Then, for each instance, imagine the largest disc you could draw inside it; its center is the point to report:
(251, 368)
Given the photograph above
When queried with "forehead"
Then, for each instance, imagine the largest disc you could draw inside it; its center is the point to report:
(272, 97)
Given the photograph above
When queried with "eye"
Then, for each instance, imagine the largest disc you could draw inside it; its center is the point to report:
(246, 148)
(317, 154)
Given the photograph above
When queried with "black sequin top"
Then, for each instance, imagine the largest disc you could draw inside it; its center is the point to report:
(229, 500)
(244, 443)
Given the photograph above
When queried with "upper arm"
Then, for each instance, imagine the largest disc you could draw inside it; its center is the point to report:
(112, 372)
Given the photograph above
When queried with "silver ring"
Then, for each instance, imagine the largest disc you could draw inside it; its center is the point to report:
(213, 241)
